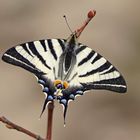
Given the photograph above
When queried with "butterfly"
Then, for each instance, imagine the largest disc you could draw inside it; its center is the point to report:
(65, 68)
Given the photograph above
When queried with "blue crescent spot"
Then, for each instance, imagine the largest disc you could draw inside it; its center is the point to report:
(72, 96)
(64, 101)
(46, 89)
(50, 97)
(79, 92)
(41, 82)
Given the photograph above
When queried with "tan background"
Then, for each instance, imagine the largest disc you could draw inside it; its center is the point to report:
(99, 115)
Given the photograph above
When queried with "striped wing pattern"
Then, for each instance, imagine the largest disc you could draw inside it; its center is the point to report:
(95, 72)
(92, 71)
(38, 57)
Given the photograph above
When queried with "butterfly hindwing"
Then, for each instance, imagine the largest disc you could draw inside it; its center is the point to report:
(70, 95)
(48, 90)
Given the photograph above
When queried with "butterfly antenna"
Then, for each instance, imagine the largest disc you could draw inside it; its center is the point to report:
(67, 23)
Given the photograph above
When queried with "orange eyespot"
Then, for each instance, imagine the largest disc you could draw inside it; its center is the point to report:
(56, 82)
(60, 84)
(65, 84)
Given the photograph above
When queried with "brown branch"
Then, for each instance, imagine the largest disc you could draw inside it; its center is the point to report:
(50, 120)
(11, 125)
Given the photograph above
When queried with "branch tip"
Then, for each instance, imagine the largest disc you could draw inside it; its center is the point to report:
(91, 14)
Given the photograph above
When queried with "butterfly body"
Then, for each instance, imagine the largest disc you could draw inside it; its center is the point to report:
(68, 60)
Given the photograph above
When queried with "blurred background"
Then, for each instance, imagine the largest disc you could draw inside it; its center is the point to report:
(98, 115)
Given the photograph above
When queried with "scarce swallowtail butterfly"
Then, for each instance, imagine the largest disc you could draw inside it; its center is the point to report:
(66, 68)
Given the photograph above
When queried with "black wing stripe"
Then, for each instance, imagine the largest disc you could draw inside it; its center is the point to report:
(13, 57)
(96, 58)
(87, 58)
(111, 70)
(36, 53)
(14, 54)
(12, 60)
(116, 88)
(61, 44)
(26, 49)
(100, 77)
(50, 45)
(80, 49)
(116, 84)
(102, 68)
(42, 42)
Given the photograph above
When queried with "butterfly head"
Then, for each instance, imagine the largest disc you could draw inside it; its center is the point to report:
(72, 41)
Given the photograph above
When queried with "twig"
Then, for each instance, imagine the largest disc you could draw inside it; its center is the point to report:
(50, 120)
(11, 125)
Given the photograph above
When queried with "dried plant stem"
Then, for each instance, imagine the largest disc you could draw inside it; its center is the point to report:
(12, 125)
(50, 120)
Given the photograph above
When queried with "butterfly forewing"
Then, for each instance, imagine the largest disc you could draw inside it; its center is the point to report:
(36, 57)
(95, 72)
